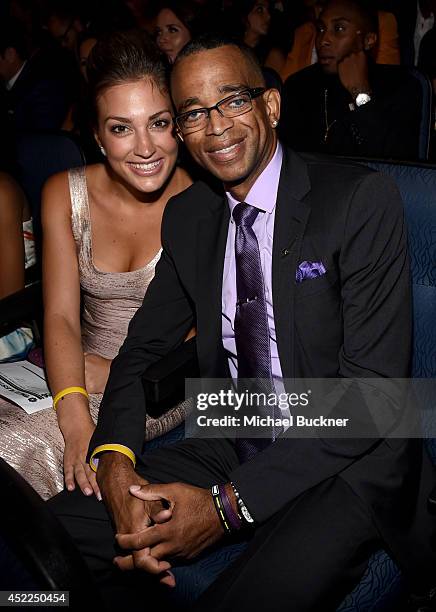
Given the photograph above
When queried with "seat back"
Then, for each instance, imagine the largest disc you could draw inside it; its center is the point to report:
(417, 185)
(38, 156)
(23, 306)
(36, 547)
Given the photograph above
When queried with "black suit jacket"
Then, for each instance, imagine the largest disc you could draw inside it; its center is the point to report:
(41, 96)
(354, 322)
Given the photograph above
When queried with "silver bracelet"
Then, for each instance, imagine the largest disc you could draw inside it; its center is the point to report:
(243, 508)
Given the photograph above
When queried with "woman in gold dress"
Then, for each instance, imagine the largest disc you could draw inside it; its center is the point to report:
(101, 228)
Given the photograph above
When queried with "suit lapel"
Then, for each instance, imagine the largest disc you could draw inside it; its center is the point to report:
(291, 216)
(212, 238)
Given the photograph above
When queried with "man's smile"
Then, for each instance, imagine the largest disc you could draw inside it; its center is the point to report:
(226, 151)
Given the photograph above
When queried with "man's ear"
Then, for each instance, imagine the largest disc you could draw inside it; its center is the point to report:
(272, 104)
(370, 41)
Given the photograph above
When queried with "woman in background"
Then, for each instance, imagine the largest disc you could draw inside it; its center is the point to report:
(176, 23)
(253, 22)
(17, 249)
(17, 253)
(101, 229)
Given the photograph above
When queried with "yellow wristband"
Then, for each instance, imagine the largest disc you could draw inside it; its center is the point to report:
(67, 391)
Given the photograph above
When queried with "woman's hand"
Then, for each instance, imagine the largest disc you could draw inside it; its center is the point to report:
(96, 372)
(75, 467)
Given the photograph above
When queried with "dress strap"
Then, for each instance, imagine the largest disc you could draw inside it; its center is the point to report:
(80, 217)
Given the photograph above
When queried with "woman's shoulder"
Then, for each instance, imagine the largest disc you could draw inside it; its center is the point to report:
(56, 191)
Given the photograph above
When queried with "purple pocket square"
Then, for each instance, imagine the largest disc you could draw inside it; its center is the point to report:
(309, 269)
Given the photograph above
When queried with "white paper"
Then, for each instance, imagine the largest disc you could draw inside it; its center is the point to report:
(24, 384)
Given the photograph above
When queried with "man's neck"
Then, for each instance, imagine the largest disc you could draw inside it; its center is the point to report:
(240, 190)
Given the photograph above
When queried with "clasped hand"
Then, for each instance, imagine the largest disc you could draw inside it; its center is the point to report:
(185, 524)
(353, 72)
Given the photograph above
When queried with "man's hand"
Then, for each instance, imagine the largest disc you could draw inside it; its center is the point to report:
(353, 73)
(130, 514)
(194, 524)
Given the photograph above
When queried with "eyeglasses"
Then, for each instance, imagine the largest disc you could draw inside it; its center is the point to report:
(233, 106)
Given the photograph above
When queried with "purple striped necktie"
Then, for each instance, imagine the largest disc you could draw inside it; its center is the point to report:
(251, 322)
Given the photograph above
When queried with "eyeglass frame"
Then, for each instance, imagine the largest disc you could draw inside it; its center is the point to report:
(253, 92)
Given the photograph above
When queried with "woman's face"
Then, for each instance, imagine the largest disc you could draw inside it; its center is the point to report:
(135, 128)
(259, 18)
(171, 34)
(85, 49)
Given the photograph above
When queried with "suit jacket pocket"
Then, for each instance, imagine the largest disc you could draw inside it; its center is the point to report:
(316, 285)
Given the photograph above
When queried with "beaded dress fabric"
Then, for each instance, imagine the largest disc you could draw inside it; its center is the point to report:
(33, 444)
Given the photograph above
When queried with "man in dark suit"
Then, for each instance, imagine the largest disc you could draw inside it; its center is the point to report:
(314, 509)
(35, 94)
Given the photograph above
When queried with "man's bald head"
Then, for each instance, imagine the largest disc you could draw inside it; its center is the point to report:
(211, 41)
(219, 79)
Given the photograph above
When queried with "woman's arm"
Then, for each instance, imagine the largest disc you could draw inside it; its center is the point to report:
(62, 335)
(12, 208)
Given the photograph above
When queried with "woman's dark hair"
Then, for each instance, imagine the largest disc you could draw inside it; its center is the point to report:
(188, 12)
(123, 57)
(242, 10)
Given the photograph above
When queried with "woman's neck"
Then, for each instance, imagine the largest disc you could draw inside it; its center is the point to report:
(252, 39)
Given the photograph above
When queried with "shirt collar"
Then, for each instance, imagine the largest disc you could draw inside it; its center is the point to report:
(263, 194)
(11, 82)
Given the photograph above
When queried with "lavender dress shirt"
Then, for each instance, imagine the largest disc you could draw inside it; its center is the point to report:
(262, 195)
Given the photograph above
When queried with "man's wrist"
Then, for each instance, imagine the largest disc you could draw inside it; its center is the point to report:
(117, 448)
(242, 508)
(232, 498)
(114, 465)
(363, 88)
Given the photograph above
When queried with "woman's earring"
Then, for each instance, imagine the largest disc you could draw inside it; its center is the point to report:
(102, 149)
(274, 123)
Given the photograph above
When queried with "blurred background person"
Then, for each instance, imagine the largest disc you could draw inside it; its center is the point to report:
(17, 249)
(17, 254)
(346, 104)
(142, 14)
(65, 22)
(303, 52)
(415, 19)
(177, 21)
(36, 94)
(78, 121)
(253, 23)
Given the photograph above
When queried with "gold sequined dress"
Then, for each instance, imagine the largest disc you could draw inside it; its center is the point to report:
(33, 444)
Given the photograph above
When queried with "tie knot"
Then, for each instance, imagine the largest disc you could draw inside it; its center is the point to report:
(244, 214)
